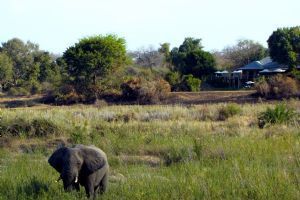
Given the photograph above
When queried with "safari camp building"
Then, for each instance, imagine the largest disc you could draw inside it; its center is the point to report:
(247, 74)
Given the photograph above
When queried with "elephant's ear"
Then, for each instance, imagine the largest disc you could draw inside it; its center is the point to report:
(56, 159)
(93, 159)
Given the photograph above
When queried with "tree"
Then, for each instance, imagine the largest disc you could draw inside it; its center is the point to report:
(284, 46)
(190, 58)
(93, 58)
(6, 72)
(222, 62)
(148, 57)
(240, 54)
(22, 57)
(49, 70)
(165, 50)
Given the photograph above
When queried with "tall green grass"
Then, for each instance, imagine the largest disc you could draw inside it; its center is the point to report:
(158, 152)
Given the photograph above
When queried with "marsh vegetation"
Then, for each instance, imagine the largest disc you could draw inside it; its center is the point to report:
(156, 152)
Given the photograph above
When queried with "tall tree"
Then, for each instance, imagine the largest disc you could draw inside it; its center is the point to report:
(190, 58)
(93, 58)
(22, 57)
(284, 45)
(243, 53)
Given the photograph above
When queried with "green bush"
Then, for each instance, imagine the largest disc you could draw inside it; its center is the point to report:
(280, 114)
(174, 80)
(190, 83)
(178, 155)
(228, 111)
(35, 87)
(43, 127)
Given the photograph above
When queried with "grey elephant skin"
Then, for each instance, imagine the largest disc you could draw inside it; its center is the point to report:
(82, 165)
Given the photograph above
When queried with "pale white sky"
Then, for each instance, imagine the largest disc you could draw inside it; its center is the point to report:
(58, 24)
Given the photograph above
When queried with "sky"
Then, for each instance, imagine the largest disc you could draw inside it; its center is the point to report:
(58, 24)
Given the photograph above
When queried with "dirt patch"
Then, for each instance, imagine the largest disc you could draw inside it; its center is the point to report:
(212, 97)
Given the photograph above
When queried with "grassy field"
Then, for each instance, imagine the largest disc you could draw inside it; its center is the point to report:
(155, 152)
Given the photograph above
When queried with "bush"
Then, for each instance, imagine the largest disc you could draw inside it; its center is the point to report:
(66, 94)
(280, 114)
(35, 87)
(145, 92)
(278, 86)
(190, 83)
(178, 155)
(130, 89)
(43, 127)
(18, 91)
(262, 87)
(174, 80)
(228, 111)
(34, 128)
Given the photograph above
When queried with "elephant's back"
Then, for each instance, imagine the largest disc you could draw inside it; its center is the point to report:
(92, 147)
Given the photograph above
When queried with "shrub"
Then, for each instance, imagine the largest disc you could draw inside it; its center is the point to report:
(262, 87)
(190, 83)
(17, 127)
(177, 155)
(174, 80)
(280, 114)
(228, 111)
(278, 86)
(66, 94)
(35, 128)
(295, 74)
(43, 127)
(283, 86)
(35, 87)
(18, 91)
(130, 89)
(145, 92)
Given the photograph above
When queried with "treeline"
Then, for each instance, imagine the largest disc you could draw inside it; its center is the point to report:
(100, 67)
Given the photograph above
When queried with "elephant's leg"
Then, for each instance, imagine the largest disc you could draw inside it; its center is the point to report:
(103, 183)
(76, 186)
(89, 189)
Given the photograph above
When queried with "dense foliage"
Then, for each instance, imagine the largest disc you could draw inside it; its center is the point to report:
(190, 58)
(284, 46)
(92, 59)
(24, 67)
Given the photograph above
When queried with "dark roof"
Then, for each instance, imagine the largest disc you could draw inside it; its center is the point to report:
(274, 65)
(256, 65)
(266, 63)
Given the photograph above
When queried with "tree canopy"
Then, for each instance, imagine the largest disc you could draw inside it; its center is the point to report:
(240, 54)
(92, 58)
(190, 58)
(284, 46)
(30, 65)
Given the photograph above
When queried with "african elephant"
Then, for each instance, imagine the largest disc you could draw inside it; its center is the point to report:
(84, 165)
